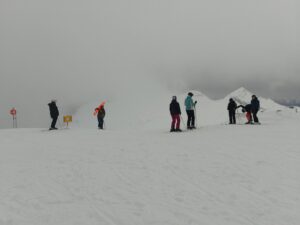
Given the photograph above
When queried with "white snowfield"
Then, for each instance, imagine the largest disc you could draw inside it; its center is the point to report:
(216, 175)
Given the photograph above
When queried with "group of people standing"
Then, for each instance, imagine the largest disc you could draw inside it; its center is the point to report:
(175, 112)
(250, 109)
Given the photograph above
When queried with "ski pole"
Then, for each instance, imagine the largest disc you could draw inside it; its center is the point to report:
(59, 122)
(182, 120)
(195, 111)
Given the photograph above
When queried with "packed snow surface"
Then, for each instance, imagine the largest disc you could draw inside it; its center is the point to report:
(215, 175)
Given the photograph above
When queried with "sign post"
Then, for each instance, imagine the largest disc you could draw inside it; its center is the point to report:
(13, 112)
(67, 119)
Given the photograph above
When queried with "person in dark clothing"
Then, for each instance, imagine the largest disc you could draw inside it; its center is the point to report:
(54, 113)
(255, 104)
(247, 109)
(231, 110)
(100, 117)
(190, 110)
(175, 113)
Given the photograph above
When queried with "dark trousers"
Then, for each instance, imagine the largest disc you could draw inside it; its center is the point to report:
(232, 117)
(54, 120)
(191, 118)
(255, 118)
(100, 123)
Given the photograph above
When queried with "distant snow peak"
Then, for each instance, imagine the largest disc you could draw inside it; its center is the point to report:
(241, 93)
(243, 96)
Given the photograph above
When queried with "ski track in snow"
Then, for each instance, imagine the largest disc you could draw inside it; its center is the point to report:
(229, 175)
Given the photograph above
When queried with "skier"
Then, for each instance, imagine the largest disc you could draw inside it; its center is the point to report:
(231, 110)
(255, 104)
(247, 109)
(175, 113)
(54, 113)
(100, 116)
(190, 110)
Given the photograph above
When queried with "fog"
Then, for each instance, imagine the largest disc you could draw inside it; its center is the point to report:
(76, 51)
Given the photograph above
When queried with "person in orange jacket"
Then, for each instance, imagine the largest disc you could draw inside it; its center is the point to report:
(100, 116)
(100, 112)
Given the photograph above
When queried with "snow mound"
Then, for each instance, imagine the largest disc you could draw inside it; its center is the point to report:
(243, 96)
(199, 96)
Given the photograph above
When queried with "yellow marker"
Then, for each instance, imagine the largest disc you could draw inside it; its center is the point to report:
(67, 119)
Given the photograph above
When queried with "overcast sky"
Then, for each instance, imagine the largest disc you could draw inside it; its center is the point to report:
(75, 50)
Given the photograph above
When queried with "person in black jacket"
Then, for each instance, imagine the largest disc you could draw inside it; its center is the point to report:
(247, 108)
(255, 105)
(54, 113)
(175, 113)
(231, 110)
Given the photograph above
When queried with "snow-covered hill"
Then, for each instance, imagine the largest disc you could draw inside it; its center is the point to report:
(243, 96)
(229, 175)
(153, 111)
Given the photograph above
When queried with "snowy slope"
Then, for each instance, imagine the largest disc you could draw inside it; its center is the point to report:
(126, 115)
(153, 112)
(144, 108)
(208, 111)
(229, 175)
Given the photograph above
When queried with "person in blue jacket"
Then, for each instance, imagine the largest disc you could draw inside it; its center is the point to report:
(255, 106)
(190, 110)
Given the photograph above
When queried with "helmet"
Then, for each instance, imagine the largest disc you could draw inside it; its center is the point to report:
(191, 94)
(174, 98)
